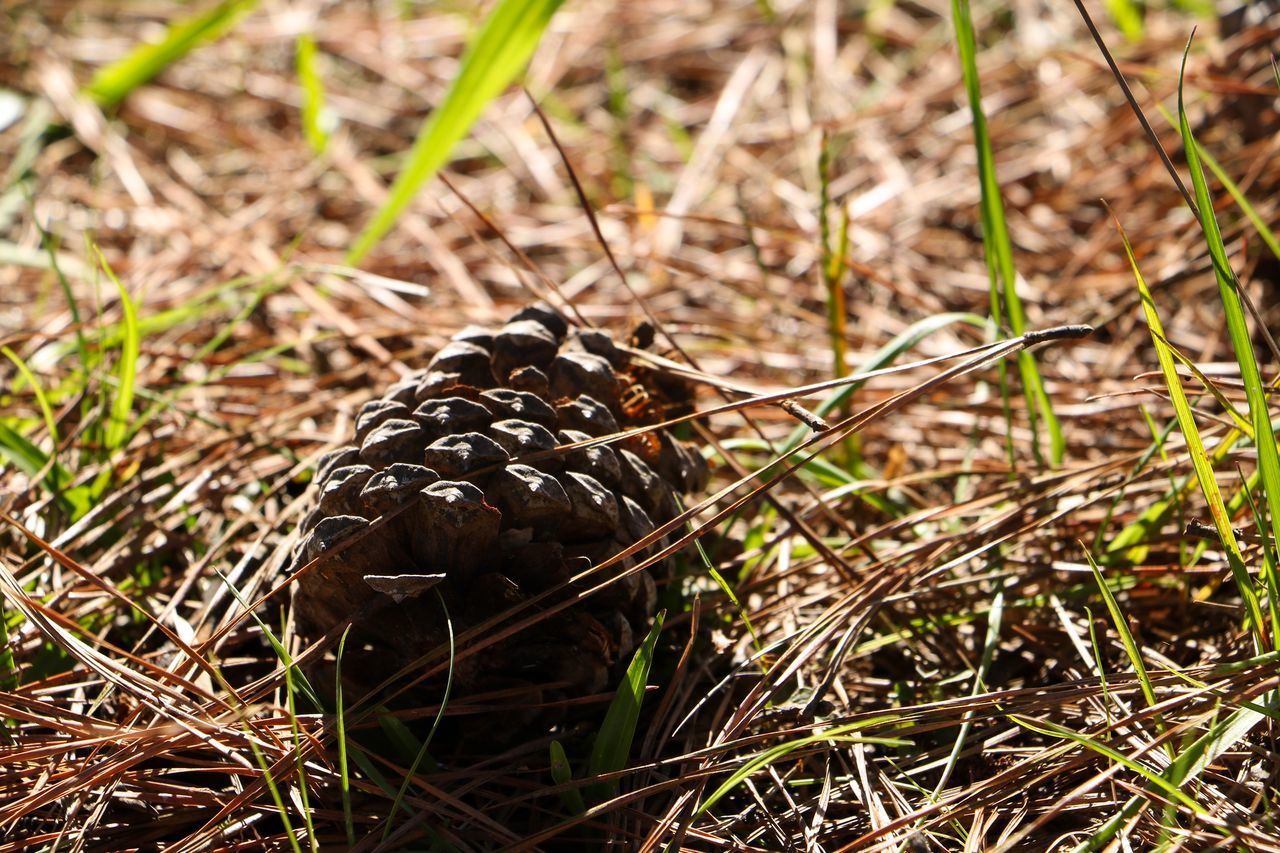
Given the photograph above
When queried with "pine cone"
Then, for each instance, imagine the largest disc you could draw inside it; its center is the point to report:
(437, 453)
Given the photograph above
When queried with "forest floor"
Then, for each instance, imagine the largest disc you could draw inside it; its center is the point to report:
(965, 622)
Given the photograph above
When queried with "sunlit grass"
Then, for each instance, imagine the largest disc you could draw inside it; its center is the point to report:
(116, 81)
(1006, 305)
(501, 48)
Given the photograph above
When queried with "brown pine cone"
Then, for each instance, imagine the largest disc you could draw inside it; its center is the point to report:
(436, 452)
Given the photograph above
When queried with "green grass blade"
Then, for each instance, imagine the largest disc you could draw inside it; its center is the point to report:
(286, 659)
(1126, 637)
(317, 121)
(842, 734)
(274, 789)
(422, 753)
(22, 451)
(296, 736)
(1242, 423)
(42, 400)
(998, 246)
(113, 83)
(367, 767)
(49, 245)
(1157, 780)
(886, 355)
(402, 739)
(1127, 542)
(832, 267)
(167, 400)
(75, 500)
(1095, 645)
(117, 431)
(1127, 16)
(883, 357)
(1189, 764)
(612, 744)
(995, 618)
(826, 473)
(1195, 445)
(344, 772)
(725, 587)
(9, 680)
(31, 460)
(561, 774)
(1237, 325)
(1204, 9)
(1135, 531)
(1221, 737)
(497, 54)
(1264, 230)
(198, 307)
(1269, 573)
